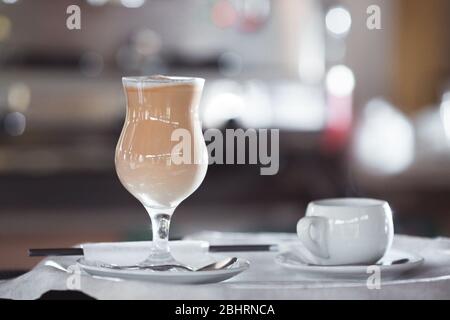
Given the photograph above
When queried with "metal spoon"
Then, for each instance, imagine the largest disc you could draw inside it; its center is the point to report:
(381, 263)
(218, 265)
(390, 263)
(163, 267)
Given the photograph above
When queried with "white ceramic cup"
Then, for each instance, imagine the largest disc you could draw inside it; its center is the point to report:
(346, 231)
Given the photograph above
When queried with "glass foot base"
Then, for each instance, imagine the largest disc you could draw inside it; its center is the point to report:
(159, 262)
(159, 259)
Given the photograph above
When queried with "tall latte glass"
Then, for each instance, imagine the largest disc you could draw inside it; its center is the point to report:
(161, 156)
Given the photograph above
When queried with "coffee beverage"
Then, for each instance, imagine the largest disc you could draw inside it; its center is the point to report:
(156, 107)
(346, 231)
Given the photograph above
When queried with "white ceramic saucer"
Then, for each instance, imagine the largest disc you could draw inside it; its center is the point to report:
(405, 262)
(179, 277)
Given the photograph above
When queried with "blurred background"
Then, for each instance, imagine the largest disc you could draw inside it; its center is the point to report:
(361, 112)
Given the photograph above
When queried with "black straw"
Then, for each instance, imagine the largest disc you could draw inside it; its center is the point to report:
(44, 252)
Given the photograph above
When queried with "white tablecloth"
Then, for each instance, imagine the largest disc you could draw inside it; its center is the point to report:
(264, 279)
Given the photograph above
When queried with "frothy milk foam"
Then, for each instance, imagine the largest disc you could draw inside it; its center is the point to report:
(156, 106)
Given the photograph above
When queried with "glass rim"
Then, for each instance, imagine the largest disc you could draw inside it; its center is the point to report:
(157, 80)
(349, 202)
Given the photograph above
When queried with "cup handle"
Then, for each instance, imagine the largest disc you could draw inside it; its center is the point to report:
(312, 232)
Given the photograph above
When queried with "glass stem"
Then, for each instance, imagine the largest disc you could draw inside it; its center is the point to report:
(160, 229)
